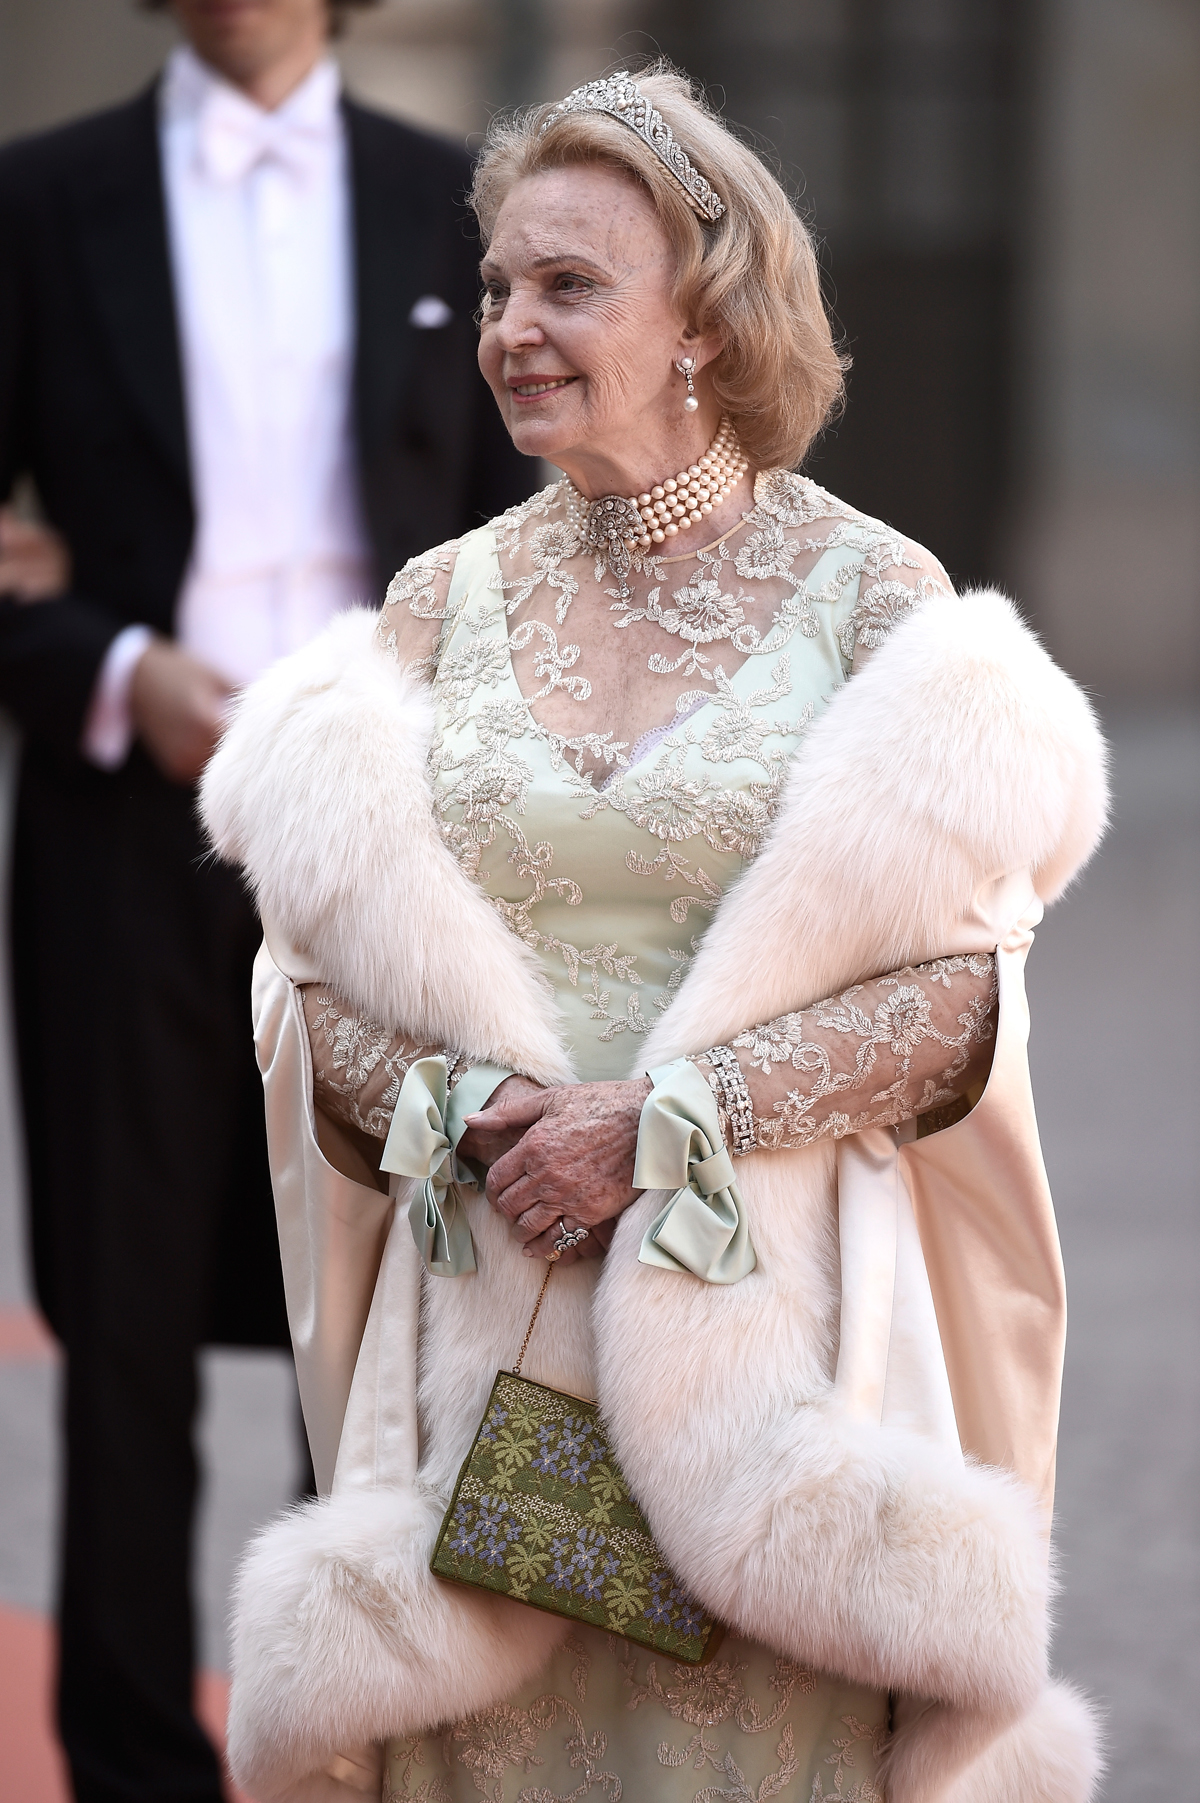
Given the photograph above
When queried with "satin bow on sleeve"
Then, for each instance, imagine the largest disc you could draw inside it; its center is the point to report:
(703, 1227)
(426, 1128)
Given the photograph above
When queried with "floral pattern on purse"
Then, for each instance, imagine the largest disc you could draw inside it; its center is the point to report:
(541, 1514)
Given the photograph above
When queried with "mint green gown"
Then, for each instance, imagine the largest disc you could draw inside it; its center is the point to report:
(614, 883)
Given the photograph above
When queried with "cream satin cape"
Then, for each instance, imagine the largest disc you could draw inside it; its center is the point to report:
(850, 1453)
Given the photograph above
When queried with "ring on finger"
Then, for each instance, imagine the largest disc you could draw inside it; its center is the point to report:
(568, 1237)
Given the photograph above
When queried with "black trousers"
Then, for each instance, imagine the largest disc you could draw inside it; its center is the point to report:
(152, 1228)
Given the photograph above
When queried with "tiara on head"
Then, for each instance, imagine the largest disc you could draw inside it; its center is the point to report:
(620, 97)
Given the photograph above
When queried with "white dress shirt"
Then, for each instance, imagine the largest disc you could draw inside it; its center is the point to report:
(258, 212)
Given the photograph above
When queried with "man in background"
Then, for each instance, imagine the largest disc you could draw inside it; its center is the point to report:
(237, 359)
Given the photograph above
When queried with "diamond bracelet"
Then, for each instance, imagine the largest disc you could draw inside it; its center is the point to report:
(738, 1105)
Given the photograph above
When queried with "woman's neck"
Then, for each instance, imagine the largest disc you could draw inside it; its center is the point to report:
(643, 459)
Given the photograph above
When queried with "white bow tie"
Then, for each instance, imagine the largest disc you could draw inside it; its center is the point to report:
(234, 136)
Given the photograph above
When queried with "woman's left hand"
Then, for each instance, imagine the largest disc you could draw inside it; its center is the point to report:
(573, 1163)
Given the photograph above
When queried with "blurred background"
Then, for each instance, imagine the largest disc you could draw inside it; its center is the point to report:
(1007, 195)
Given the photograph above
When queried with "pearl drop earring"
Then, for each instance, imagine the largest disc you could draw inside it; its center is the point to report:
(686, 367)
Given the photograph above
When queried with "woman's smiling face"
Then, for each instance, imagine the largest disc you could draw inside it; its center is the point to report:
(579, 333)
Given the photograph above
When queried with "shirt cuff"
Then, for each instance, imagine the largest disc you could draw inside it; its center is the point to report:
(108, 724)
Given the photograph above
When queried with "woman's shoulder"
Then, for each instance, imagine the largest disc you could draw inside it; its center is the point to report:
(793, 500)
(896, 574)
(421, 596)
(418, 597)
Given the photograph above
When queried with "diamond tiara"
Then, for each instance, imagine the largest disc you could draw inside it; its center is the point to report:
(620, 97)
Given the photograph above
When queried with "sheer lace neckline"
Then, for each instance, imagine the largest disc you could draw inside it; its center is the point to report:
(801, 565)
(699, 618)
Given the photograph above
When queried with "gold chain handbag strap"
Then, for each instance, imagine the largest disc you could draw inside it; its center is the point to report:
(516, 1370)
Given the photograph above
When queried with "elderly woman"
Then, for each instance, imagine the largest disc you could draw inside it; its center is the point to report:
(681, 814)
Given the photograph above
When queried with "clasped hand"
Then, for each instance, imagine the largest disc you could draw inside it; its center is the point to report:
(559, 1154)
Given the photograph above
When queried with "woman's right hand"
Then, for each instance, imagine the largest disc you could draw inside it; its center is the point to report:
(487, 1144)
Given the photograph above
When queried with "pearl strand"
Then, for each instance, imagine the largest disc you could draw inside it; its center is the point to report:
(683, 500)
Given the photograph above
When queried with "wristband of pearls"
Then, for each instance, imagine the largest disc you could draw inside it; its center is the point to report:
(736, 1095)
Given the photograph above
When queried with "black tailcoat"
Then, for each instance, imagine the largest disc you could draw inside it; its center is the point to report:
(152, 1225)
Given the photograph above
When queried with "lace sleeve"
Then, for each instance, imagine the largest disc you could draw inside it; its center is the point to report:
(916, 1043)
(358, 1065)
(898, 577)
(414, 609)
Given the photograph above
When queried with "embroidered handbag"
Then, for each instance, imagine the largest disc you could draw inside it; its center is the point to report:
(541, 1513)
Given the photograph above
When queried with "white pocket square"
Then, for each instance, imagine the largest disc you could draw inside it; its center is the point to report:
(429, 313)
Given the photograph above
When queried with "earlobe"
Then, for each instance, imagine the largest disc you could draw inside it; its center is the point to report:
(699, 348)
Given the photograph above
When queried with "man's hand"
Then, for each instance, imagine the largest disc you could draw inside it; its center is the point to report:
(178, 709)
(35, 564)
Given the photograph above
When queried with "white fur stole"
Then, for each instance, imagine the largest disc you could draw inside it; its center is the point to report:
(960, 754)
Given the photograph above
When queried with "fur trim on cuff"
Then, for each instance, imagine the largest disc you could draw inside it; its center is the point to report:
(1054, 1754)
(319, 790)
(856, 1547)
(858, 1550)
(344, 1637)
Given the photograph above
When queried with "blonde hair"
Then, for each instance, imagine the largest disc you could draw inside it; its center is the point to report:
(752, 276)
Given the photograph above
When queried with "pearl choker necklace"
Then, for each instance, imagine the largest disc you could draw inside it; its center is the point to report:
(615, 525)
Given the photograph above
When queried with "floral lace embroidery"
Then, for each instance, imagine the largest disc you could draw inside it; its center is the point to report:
(739, 1791)
(512, 1741)
(358, 1065)
(795, 500)
(504, 1738)
(839, 1044)
(358, 1050)
(582, 1668)
(480, 663)
(842, 1759)
(878, 609)
(403, 1755)
(671, 866)
(674, 806)
(507, 526)
(416, 585)
(705, 1697)
(701, 793)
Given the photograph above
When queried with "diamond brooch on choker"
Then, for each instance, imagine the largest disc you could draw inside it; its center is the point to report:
(615, 526)
(607, 527)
